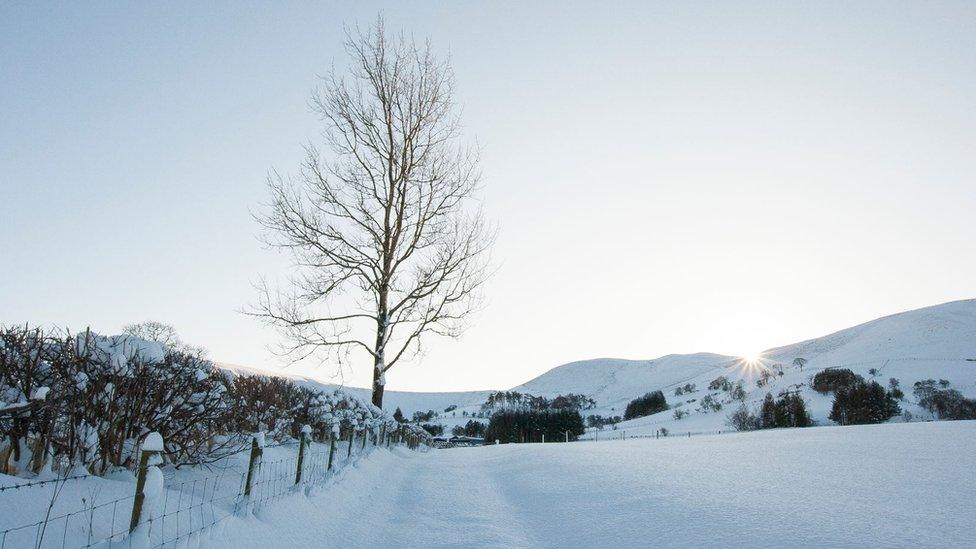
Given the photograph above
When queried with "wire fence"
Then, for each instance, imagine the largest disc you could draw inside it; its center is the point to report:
(186, 510)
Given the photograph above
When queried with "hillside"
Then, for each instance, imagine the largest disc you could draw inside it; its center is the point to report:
(937, 342)
(612, 381)
(933, 342)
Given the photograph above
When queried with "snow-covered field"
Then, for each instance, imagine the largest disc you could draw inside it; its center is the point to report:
(895, 485)
(904, 485)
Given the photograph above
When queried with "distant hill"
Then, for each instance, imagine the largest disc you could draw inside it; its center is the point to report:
(934, 342)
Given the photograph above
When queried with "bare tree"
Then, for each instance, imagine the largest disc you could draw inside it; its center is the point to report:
(386, 244)
(152, 330)
(160, 332)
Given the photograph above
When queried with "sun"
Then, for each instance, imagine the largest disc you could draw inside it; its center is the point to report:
(752, 359)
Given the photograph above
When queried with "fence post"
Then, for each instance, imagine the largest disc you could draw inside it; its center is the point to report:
(302, 441)
(352, 436)
(365, 435)
(383, 434)
(152, 446)
(567, 436)
(543, 438)
(257, 450)
(332, 444)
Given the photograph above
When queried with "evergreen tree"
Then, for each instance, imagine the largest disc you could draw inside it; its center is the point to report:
(799, 417)
(767, 415)
(863, 403)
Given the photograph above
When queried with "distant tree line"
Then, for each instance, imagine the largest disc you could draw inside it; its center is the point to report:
(516, 400)
(521, 425)
(599, 422)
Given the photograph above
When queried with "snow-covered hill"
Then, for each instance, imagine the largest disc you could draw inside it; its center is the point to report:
(937, 342)
(408, 401)
(934, 342)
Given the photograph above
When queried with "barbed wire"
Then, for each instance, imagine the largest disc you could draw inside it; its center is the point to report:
(41, 482)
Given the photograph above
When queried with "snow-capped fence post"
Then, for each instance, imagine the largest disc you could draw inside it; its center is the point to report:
(543, 438)
(567, 436)
(152, 446)
(257, 450)
(302, 442)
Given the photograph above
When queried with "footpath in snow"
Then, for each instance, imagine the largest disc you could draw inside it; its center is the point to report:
(899, 485)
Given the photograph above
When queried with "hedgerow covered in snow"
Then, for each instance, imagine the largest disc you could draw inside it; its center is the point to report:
(87, 400)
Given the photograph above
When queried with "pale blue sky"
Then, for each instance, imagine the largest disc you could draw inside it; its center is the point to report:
(672, 177)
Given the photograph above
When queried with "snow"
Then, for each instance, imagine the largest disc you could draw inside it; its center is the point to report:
(154, 484)
(40, 393)
(184, 488)
(878, 486)
(153, 443)
(875, 486)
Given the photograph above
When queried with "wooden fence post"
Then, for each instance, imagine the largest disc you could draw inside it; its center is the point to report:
(332, 446)
(152, 446)
(257, 450)
(302, 441)
(352, 436)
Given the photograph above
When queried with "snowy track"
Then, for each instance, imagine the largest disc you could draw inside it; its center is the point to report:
(902, 485)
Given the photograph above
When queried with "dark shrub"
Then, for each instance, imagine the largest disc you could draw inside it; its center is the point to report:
(598, 421)
(832, 379)
(650, 403)
(721, 383)
(743, 420)
(942, 401)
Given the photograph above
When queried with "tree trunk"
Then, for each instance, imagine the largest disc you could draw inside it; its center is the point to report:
(379, 381)
(377, 386)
